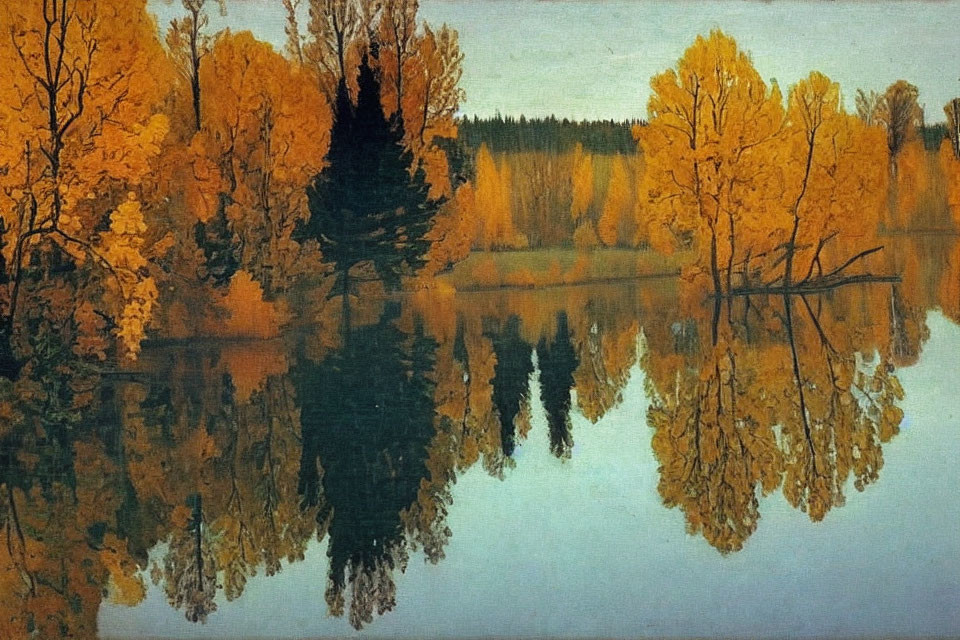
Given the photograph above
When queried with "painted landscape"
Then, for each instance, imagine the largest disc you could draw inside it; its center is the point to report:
(325, 318)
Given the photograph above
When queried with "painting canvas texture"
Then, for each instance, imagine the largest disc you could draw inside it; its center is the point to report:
(479, 319)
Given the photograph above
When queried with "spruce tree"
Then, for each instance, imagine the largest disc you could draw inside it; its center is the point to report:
(367, 206)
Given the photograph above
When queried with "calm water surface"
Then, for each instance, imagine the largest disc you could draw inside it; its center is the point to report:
(574, 461)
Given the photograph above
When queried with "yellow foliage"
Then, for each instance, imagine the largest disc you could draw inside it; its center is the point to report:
(126, 587)
(79, 147)
(494, 213)
(584, 237)
(582, 180)
(266, 130)
(617, 198)
(452, 232)
(912, 180)
(520, 278)
(486, 273)
(248, 314)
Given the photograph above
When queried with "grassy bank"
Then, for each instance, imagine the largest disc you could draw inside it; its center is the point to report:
(549, 267)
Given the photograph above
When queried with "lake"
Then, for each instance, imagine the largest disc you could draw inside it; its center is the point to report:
(607, 459)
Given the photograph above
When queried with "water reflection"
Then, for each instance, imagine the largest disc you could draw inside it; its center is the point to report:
(366, 415)
(211, 463)
(792, 395)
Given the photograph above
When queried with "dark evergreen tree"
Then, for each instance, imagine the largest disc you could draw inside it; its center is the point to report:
(557, 361)
(511, 379)
(367, 206)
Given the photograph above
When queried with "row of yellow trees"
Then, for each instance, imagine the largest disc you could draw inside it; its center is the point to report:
(722, 151)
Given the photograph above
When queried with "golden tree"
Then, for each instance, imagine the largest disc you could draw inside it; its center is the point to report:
(266, 131)
(82, 86)
(711, 120)
(618, 197)
(188, 43)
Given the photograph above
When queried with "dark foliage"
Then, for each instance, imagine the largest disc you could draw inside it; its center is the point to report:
(511, 378)
(220, 248)
(557, 361)
(366, 206)
(508, 134)
(365, 441)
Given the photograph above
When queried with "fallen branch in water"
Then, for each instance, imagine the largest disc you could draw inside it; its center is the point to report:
(817, 285)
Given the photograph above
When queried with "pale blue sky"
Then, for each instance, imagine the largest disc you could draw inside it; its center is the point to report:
(594, 59)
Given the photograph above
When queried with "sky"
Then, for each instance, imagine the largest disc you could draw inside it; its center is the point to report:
(594, 59)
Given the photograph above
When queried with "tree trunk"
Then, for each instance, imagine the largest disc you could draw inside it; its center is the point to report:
(9, 364)
(955, 134)
(345, 309)
(717, 287)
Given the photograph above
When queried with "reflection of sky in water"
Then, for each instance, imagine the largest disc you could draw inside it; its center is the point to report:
(595, 59)
(585, 547)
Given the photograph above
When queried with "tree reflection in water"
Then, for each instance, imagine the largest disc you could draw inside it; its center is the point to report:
(211, 463)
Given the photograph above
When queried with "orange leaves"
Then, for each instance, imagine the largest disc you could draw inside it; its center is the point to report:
(432, 93)
(266, 129)
(137, 294)
(582, 182)
(749, 185)
(453, 231)
(495, 229)
(711, 120)
(619, 194)
(73, 165)
(248, 314)
(950, 166)
(843, 190)
(125, 587)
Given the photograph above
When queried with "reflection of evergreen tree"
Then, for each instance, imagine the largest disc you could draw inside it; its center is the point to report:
(511, 378)
(367, 418)
(558, 360)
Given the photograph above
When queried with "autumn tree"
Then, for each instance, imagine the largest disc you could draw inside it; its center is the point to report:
(265, 133)
(832, 186)
(81, 95)
(763, 195)
(900, 114)
(188, 43)
(706, 151)
(493, 205)
(615, 204)
(582, 181)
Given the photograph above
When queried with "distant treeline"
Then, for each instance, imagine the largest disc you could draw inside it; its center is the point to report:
(509, 134)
